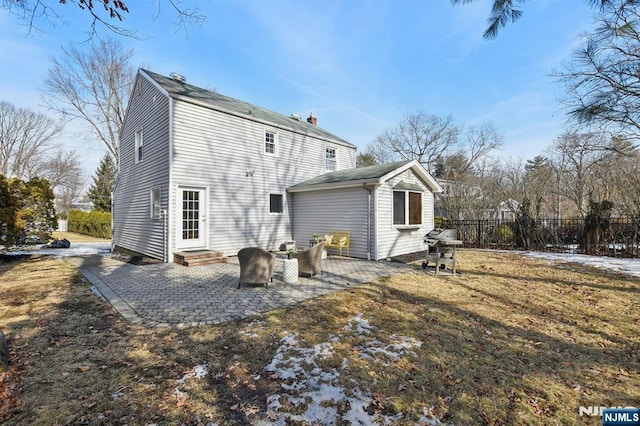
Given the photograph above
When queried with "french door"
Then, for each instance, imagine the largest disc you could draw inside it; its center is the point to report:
(191, 217)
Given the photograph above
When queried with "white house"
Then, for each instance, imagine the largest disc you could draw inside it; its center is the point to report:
(202, 171)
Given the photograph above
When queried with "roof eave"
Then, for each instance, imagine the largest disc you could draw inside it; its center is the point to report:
(420, 170)
(334, 185)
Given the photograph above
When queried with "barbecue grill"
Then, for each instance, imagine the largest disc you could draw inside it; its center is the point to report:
(441, 248)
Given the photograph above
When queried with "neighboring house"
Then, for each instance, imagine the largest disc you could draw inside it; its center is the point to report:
(202, 171)
(506, 211)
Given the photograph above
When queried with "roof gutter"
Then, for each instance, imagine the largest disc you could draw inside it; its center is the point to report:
(334, 185)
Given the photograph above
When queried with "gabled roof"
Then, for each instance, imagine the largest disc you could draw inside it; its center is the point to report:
(370, 175)
(210, 99)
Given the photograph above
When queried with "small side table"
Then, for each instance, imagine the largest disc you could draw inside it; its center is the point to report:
(290, 270)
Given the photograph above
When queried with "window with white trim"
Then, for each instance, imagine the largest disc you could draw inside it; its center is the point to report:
(407, 208)
(330, 156)
(271, 143)
(155, 207)
(276, 203)
(138, 146)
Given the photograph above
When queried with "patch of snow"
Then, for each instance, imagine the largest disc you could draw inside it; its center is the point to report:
(199, 372)
(624, 265)
(76, 249)
(360, 325)
(308, 387)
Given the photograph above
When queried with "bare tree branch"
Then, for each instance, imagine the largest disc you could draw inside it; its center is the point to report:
(110, 16)
(421, 137)
(94, 87)
(25, 137)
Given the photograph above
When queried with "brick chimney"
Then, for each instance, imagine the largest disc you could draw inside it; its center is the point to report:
(312, 119)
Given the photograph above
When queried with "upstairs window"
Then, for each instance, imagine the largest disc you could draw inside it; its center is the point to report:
(138, 148)
(155, 209)
(330, 156)
(271, 143)
(276, 203)
(407, 208)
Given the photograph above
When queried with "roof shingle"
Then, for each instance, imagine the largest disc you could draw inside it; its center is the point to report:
(234, 106)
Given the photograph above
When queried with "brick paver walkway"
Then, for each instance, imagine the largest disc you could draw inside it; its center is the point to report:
(167, 294)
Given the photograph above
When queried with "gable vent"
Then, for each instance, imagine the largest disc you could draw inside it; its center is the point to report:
(178, 77)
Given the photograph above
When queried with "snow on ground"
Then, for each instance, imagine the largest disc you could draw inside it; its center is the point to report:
(314, 391)
(628, 266)
(76, 249)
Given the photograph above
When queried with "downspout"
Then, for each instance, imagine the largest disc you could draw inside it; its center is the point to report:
(111, 210)
(167, 239)
(290, 211)
(364, 185)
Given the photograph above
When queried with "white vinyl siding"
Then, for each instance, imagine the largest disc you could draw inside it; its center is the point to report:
(132, 228)
(332, 210)
(226, 154)
(393, 240)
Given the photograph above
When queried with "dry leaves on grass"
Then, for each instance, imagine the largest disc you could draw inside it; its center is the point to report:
(512, 340)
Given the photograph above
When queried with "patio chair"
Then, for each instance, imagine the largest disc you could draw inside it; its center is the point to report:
(256, 266)
(310, 260)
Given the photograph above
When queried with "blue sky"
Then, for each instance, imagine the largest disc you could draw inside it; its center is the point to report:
(358, 65)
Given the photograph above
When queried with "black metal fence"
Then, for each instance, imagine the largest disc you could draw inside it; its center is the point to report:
(618, 237)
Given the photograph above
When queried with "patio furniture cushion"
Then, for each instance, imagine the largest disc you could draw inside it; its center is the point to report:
(338, 240)
(256, 266)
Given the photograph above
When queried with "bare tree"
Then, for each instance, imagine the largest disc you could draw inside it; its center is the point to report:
(379, 152)
(92, 86)
(576, 156)
(62, 169)
(421, 137)
(472, 156)
(481, 140)
(106, 13)
(601, 79)
(25, 137)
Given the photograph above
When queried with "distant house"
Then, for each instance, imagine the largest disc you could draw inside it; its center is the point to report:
(202, 171)
(506, 210)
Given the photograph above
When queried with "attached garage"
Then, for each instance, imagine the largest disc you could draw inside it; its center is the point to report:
(387, 209)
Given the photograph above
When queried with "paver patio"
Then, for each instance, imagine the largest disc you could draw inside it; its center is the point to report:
(167, 294)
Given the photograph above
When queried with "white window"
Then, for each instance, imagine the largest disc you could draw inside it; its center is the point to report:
(276, 203)
(155, 209)
(330, 156)
(271, 143)
(407, 208)
(139, 143)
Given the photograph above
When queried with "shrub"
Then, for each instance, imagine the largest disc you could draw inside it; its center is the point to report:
(97, 224)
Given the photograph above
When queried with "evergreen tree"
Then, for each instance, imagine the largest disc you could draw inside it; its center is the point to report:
(103, 183)
(365, 159)
(8, 213)
(37, 215)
